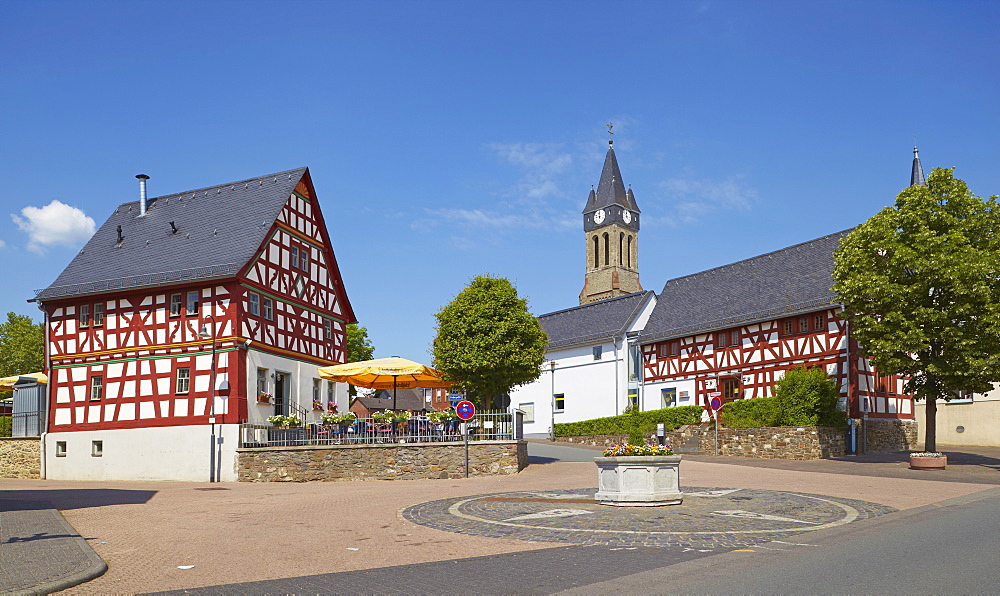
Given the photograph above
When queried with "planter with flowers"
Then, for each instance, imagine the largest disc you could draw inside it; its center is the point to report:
(317, 405)
(264, 397)
(638, 476)
(287, 431)
(331, 407)
(928, 461)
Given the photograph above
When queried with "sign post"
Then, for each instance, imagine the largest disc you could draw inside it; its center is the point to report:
(465, 410)
(716, 405)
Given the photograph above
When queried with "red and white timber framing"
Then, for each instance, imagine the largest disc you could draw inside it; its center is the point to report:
(140, 344)
(752, 358)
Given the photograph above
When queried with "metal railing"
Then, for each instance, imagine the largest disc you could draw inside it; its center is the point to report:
(489, 426)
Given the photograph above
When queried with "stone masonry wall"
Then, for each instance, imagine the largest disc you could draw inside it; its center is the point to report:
(803, 442)
(404, 461)
(20, 457)
(887, 435)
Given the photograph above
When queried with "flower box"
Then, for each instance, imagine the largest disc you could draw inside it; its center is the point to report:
(264, 398)
(928, 461)
(639, 481)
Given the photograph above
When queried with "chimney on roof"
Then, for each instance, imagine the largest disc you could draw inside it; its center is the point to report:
(142, 193)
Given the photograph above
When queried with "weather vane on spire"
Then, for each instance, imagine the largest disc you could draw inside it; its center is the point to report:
(611, 140)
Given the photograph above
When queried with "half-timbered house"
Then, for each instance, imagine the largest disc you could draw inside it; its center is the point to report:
(185, 315)
(732, 332)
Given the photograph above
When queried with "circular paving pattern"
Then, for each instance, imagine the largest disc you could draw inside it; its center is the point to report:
(709, 518)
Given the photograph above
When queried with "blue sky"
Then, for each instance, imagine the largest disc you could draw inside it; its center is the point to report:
(465, 136)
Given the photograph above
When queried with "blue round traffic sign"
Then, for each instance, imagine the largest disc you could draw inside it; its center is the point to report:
(465, 409)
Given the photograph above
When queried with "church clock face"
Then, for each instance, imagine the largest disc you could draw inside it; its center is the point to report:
(599, 216)
(627, 216)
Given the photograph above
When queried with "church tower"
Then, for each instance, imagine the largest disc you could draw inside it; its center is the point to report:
(611, 227)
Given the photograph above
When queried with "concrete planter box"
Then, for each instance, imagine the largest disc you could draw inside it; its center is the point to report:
(928, 463)
(639, 481)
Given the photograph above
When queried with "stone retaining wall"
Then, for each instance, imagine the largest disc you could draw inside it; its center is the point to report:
(20, 457)
(887, 435)
(403, 461)
(803, 442)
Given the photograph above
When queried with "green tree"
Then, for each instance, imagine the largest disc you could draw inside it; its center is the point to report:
(22, 348)
(920, 284)
(359, 347)
(807, 397)
(487, 342)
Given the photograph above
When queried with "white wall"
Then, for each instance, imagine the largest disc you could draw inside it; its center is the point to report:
(980, 421)
(153, 453)
(300, 392)
(592, 388)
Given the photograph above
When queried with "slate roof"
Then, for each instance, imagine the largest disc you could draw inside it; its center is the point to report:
(611, 189)
(591, 323)
(782, 283)
(219, 229)
(406, 399)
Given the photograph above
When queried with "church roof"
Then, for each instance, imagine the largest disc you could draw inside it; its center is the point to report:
(611, 189)
(917, 172)
(218, 230)
(782, 283)
(594, 322)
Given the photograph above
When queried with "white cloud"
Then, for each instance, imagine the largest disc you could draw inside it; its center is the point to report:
(3, 244)
(542, 165)
(694, 198)
(55, 223)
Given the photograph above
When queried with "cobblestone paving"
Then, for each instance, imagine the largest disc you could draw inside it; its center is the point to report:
(708, 519)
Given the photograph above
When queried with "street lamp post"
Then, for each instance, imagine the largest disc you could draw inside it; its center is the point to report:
(204, 334)
(552, 403)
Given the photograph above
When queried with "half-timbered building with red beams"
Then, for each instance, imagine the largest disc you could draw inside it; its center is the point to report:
(185, 315)
(732, 332)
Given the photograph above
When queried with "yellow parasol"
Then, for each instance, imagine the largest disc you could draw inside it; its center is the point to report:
(383, 373)
(7, 383)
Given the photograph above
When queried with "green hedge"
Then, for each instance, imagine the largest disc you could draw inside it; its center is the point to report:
(620, 425)
(5, 422)
(804, 397)
(750, 413)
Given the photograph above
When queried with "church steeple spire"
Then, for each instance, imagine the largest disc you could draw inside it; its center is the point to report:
(917, 172)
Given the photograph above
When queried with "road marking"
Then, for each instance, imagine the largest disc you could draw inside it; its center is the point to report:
(551, 513)
(851, 514)
(752, 515)
(712, 493)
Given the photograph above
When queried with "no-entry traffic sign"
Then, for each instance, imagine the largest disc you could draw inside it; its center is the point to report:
(465, 409)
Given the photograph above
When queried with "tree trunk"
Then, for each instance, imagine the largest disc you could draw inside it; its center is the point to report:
(930, 433)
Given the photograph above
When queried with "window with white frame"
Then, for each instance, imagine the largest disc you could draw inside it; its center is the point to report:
(560, 402)
(96, 387)
(253, 301)
(961, 397)
(192, 302)
(316, 383)
(598, 350)
(175, 305)
(329, 393)
(261, 381)
(183, 380)
(268, 309)
(85, 315)
(98, 315)
(327, 329)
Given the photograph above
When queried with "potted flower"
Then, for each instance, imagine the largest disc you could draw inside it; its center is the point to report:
(264, 397)
(928, 460)
(331, 407)
(277, 420)
(383, 417)
(286, 431)
(652, 473)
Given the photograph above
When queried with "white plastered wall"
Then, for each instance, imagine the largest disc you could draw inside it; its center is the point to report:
(300, 392)
(980, 421)
(152, 453)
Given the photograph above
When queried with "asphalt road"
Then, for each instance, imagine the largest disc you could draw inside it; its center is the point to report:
(948, 548)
